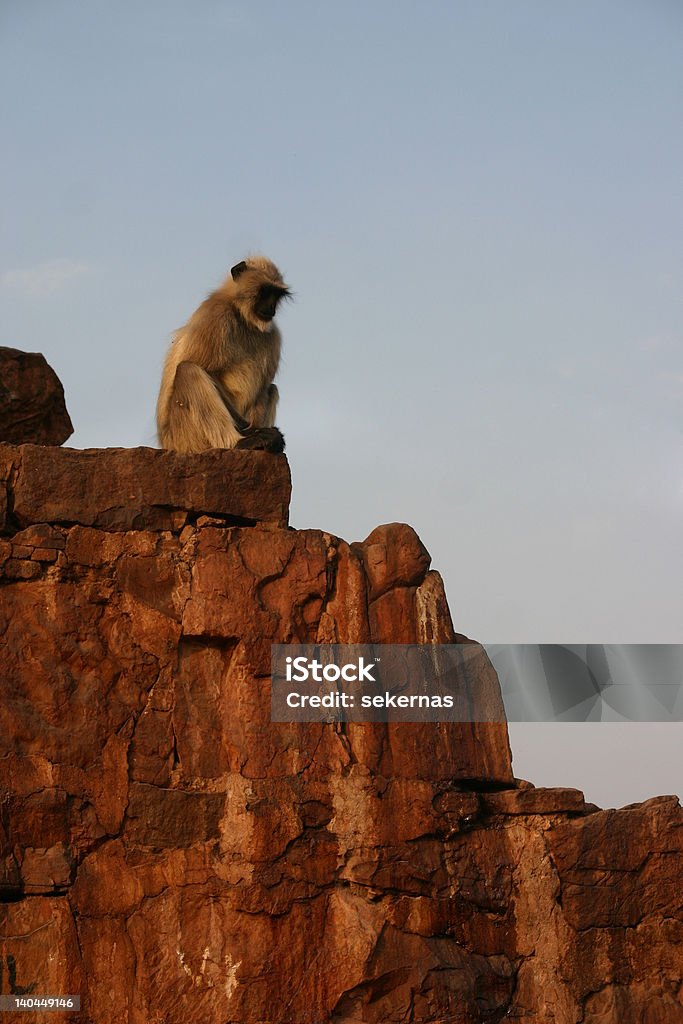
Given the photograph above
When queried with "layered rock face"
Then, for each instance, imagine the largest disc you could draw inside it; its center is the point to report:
(173, 857)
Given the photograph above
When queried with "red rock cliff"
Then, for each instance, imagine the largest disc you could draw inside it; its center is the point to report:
(174, 858)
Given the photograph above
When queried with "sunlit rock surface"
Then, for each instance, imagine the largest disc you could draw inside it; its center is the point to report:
(171, 856)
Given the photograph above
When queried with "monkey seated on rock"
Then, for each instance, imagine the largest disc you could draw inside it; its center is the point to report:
(217, 386)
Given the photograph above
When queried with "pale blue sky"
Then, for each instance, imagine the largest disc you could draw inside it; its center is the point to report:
(478, 206)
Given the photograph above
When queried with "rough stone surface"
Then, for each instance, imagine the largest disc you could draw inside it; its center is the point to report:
(32, 407)
(141, 488)
(174, 858)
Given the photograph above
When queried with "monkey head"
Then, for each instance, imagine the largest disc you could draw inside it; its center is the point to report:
(258, 289)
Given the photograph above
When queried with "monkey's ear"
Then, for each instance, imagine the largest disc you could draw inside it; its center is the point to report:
(238, 269)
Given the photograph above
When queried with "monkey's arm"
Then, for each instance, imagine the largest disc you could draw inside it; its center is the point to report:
(263, 433)
(259, 431)
(240, 422)
(262, 413)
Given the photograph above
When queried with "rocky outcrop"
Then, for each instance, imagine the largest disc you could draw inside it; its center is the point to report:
(172, 856)
(32, 406)
(118, 489)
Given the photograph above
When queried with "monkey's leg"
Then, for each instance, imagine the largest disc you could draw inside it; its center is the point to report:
(265, 407)
(197, 416)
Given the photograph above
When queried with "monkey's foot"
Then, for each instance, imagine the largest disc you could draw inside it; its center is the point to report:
(262, 439)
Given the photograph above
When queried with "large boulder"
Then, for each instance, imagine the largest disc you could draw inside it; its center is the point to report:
(32, 406)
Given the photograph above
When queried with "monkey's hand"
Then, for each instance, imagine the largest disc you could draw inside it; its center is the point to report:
(262, 439)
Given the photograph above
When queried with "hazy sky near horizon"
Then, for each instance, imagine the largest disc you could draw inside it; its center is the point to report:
(478, 206)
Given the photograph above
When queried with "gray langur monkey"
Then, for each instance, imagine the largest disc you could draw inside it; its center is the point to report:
(217, 386)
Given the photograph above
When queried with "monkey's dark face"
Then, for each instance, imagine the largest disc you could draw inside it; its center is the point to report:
(267, 299)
